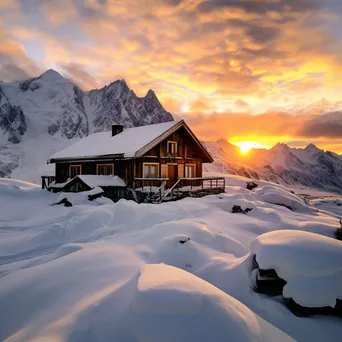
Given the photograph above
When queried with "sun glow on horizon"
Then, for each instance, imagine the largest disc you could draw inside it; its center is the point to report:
(246, 146)
(185, 107)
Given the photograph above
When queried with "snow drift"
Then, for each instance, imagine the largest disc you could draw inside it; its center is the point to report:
(84, 273)
(310, 263)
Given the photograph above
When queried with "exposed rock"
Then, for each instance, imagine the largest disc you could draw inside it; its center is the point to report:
(338, 232)
(117, 103)
(183, 239)
(251, 185)
(12, 120)
(267, 282)
(237, 209)
(65, 202)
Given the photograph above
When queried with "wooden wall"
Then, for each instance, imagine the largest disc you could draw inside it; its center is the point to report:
(188, 152)
(187, 148)
(122, 168)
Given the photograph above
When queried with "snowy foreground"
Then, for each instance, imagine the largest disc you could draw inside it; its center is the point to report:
(178, 271)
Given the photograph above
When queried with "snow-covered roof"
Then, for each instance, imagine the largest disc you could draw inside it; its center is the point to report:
(99, 180)
(96, 191)
(127, 143)
(93, 181)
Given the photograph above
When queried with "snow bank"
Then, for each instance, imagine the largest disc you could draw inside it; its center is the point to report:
(274, 195)
(185, 308)
(77, 198)
(310, 263)
(188, 244)
(331, 204)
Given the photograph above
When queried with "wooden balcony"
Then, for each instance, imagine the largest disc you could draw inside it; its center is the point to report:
(154, 190)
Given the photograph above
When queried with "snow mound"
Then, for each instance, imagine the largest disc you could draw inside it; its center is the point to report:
(277, 195)
(75, 274)
(188, 244)
(78, 198)
(332, 204)
(310, 263)
(186, 308)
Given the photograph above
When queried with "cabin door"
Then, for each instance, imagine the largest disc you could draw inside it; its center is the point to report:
(172, 174)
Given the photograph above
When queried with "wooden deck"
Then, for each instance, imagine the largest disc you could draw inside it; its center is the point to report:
(184, 187)
(156, 190)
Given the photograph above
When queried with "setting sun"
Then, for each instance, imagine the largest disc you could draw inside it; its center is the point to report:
(246, 146)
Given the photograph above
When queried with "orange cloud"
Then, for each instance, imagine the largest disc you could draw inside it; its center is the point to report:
(14, 62)
(200, 56)
(272, 127)
(57, 14)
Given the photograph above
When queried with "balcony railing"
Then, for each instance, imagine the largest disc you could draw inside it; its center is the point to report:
(195, 187)
(155, 189)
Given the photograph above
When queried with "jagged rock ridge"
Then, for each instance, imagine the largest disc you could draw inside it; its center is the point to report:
(12, 119)
(51, 106)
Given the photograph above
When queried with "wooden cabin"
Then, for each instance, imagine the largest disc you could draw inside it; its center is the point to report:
(140, 156)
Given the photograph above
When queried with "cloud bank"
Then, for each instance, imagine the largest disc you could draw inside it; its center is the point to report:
(200, 56)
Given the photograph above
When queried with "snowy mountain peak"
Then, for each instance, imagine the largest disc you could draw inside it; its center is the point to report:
(311, 148)
(51, 76)
(221, 141)
(280, 147)
(309, 167)
(117, 83)
(151, 93)
(50, 108)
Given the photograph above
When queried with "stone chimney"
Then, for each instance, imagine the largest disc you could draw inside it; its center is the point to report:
(116, 129)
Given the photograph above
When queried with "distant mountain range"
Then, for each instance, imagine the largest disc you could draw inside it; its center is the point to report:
(40, 115)
(310, 166)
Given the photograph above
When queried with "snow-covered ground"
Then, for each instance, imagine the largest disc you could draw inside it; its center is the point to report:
(309, 263)
(178, 271)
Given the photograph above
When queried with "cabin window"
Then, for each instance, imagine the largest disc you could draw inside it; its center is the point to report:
(75, 170)
(151, 170)
(105, 169)
(190, 170)
(172, 147)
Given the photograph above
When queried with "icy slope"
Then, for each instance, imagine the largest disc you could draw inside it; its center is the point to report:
(83, 273)
(308, 167)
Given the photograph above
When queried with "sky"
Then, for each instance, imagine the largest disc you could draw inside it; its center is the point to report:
(257, 71)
